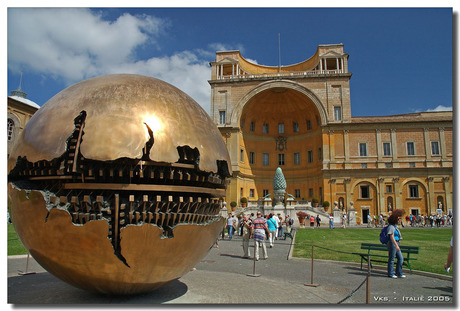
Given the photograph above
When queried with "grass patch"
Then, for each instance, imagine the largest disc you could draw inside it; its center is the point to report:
(15, 246)
(434, 245)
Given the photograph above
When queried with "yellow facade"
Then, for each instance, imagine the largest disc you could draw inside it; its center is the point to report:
(299, 118)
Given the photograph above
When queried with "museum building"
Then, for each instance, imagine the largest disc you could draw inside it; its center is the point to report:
(298, 118)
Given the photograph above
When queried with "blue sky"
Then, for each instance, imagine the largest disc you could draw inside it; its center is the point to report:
(401, 59)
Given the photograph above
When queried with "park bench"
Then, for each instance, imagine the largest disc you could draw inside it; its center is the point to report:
(376, 257)
(289, 234)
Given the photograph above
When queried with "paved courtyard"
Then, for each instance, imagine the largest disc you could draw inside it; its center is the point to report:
(222, 278)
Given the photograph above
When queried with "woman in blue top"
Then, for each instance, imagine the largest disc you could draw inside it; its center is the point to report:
(393, 245)
(272, 226)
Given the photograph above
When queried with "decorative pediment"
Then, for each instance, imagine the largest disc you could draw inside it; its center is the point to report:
(331, 54)
(227, 60)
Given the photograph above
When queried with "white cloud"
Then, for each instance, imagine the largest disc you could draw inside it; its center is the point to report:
(440, 108)
(73, 44)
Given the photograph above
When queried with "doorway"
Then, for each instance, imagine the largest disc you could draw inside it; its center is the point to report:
(365, 214)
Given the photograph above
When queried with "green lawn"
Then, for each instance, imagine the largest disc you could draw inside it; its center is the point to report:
(434, 245)
(15, 246)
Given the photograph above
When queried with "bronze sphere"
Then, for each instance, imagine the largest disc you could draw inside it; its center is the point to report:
(114, 184)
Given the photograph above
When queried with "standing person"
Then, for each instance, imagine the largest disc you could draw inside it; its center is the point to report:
(344, 220)
(450, 256)
(331, 222)
(312, 221)
(381, 220)
(393, 245)
(240, 225)
(231, 225)
(278, 223)
(272, 226)
(247, 232)
(259, 227)
(438, 221)
(318, 221)
(369, 220)
(280, 228)
(287, 221)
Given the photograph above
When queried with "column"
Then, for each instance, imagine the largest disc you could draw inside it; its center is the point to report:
(332, 191)
(442, 142)
(346, 147)
(448, 192)
(426, 137)
(331, 146)
(337, 64)
(379, 145)
(326, 144)
(348, 197)
(394, 148)
(381, 196)
(431, 200)
(398, 198)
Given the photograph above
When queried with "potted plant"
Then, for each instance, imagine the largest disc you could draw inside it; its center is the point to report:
(314, 202)
(244, 201)
(301, 215)
(233, 205)
(326, 205)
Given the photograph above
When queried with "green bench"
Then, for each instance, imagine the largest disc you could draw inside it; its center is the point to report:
(377, 257)
(289, 234)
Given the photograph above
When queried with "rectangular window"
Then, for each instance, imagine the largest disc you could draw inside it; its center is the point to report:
(410, 148)
(308, 125)
(265, 159)
(388, 165)
(434, 148)
(241, 155)
(411, 164)
(337, 113)
(310, 192)
(252, 126)
(295, 127)
(280, 158)
(252, 157)
(265, 192)
(389, 188)
(297, 158)
(320, 154)
(386, 149)
(265, 128)
(297, 193)
(280, 128)
(413, 191)
(310, 156)
(363, 165)
(365, 192)
(251, 193)
(363, 149)
(222, 117)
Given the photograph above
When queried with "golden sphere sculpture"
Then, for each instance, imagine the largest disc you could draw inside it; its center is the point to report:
(114, 184)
